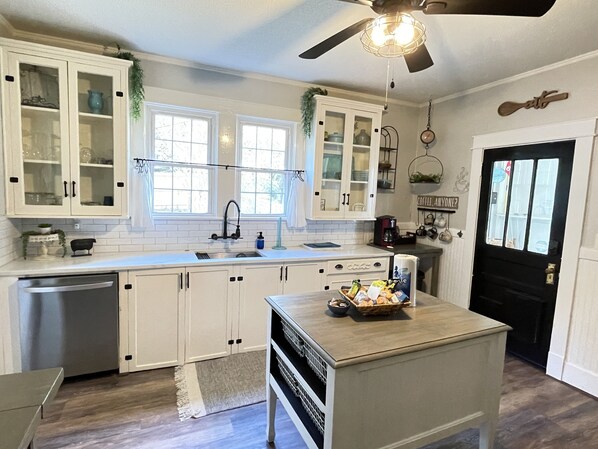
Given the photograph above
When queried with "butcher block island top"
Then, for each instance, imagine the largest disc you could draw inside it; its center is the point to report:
(352, 339)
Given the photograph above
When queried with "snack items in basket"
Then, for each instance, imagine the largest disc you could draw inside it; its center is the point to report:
(377, 299)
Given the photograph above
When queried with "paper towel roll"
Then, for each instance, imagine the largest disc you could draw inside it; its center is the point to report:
(404, 273)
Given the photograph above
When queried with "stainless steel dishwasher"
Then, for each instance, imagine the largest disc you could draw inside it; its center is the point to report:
(69, 321)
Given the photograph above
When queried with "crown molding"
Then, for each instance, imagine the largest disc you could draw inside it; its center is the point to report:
(520, 76)
(7, 26)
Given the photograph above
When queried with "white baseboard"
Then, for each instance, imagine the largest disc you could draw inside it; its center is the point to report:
(581, 378)
(554, 366)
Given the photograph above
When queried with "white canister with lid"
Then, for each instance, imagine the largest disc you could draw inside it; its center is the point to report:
(404, 274)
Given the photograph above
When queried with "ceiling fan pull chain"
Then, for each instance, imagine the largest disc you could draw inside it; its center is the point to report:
(387, 76)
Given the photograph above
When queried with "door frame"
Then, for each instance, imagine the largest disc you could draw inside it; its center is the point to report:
(583, 132)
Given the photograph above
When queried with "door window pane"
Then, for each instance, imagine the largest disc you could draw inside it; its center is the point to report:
(519, 203)
(543, 204)
(499, 197)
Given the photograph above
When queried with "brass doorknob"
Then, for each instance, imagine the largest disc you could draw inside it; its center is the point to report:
(551, 269)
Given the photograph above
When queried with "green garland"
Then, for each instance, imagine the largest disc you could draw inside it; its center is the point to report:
(25, 240)
(307, 107)
(136, 91)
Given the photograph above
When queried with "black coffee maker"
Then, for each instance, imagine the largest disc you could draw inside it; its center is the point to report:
(386, 232)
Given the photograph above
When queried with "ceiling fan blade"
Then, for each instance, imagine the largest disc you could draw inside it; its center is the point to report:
(334, 40)
(360, 2)
(419, 60)
(527, 8)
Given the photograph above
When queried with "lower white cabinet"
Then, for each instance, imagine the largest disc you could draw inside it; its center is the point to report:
(154, 305)
(183, 315)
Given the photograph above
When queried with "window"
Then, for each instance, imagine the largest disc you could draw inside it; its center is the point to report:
(265, 146)
(181, 137)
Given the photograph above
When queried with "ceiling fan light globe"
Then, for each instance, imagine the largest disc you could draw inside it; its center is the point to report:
(404, 33)
(393, 35)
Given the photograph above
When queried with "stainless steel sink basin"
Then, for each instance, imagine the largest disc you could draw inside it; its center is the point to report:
(228, 255)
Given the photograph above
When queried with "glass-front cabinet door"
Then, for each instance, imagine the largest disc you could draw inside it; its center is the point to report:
(345, 162)
(95, 167)
(37, 120)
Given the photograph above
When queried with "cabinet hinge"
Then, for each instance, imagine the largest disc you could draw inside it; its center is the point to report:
(13, 179)
(232, 279)
(120, 184)
(9, 78)
(239, 341)
(321, 270)
(128, 286)
(119, 93)
(128, 357)
(231, 342)
(240, 278)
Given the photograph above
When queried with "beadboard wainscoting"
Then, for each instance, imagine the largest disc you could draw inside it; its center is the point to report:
(114, 235)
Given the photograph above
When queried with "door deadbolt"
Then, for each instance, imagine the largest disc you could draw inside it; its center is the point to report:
(550, 271)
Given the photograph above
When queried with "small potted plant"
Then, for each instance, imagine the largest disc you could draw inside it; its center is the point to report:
(44, 228)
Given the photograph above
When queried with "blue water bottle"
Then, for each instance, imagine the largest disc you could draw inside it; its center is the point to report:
(259, 243)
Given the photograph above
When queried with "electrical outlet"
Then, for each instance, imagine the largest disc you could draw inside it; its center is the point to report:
(77, 226)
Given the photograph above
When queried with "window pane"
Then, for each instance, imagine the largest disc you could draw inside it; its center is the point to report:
(262, 203)
(181, 129)
(264, 159)
(199, 153)
(200, 203)
(200, 131)
(201, 179)
(277, 204)
(181, 201)
(247, 203)
(264, 138)
(278, 160)
(247, 181)
(181, 178)
(163, 150)
(163, 127)
(499, 194)
(543, 205)
(181, 152)
(277, 183)
(249, 136)
(263, 183)
(248, 157)
(519, 203)
(279, 139)
(162, 200)
(162, 177)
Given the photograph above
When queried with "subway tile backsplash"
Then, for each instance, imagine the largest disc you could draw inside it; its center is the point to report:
(116, 235)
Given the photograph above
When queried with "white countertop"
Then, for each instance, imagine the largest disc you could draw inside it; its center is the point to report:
(105, 262)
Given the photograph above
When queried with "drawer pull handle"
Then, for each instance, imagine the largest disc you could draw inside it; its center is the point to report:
(377, 264)
(338, 266)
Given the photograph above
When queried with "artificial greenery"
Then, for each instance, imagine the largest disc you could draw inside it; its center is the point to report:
(25, 239)
(44, 225)
(419, 177)
(136, 91)
(307, 107)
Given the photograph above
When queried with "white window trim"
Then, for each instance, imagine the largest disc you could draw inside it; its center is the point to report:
(292, 144)
(153, 108)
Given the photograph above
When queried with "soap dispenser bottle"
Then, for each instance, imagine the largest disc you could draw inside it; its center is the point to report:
(259, 242)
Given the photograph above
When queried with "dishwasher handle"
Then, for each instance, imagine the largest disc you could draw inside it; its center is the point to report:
(69, 288)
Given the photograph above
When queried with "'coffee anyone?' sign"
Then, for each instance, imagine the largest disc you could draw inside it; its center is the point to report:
(444, 202)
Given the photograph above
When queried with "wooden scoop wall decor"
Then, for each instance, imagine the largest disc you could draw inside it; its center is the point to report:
(508, 107)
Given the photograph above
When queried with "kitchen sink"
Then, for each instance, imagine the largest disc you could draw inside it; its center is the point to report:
(228, 255)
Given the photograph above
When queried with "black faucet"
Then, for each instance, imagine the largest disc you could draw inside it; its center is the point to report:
(235, 235)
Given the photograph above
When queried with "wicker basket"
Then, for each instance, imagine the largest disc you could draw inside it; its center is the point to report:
(375, 310)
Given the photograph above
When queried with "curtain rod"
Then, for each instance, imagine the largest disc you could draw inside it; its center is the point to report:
(141, 165)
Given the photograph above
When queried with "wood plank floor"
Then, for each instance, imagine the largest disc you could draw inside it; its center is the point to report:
(139, 411)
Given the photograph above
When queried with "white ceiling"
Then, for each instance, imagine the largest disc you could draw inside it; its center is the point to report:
(265, 36)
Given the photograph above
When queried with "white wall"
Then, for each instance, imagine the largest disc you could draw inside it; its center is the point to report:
(458, 119)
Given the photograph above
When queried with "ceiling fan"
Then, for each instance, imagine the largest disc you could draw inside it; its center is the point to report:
(394, 12)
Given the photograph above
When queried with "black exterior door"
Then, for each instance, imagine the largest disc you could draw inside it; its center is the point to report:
(521, 225)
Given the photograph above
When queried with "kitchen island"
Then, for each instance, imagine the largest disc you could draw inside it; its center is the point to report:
(402, 381)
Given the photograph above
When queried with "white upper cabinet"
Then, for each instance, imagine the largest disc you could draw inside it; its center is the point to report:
(65, 132)
(342, 159)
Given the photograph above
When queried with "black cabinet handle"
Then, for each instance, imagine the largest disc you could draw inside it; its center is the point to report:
(338, 266)
(281, 274)
(344, 195)
(348, 195)
(187, 279)
(181, 280)
(377, 264)
(74, 189)
(66, 194)
(286, 273)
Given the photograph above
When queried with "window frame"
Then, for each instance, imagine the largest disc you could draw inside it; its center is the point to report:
(291, 128)
(151, 110)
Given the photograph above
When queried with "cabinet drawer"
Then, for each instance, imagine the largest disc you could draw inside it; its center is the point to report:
(358, 266)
